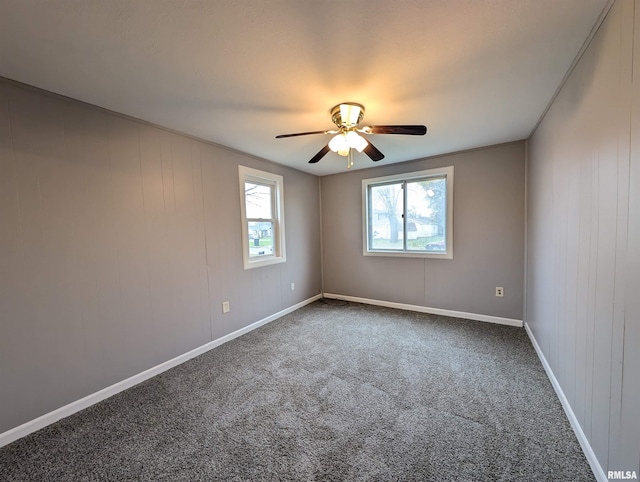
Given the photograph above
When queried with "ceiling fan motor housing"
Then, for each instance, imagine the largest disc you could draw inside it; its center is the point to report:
(347, 114)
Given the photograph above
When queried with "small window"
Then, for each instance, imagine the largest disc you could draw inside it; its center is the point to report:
(409, 214)
(262, 211)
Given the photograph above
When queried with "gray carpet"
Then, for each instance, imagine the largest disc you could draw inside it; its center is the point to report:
(329, 392)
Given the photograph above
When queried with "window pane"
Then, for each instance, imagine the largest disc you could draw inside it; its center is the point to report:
(386, 216)
(426, 215)
(260, 238)
(258, 200)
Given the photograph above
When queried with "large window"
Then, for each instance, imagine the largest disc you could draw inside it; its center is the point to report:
(409, 214)
(262, 209)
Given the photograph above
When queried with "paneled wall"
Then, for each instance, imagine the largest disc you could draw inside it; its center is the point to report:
(488, 237)
(583, 265)
(118, 243)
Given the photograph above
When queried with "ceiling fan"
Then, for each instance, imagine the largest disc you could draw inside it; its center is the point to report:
(346, 117)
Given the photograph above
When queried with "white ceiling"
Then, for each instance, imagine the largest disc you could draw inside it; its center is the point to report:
(239, 72)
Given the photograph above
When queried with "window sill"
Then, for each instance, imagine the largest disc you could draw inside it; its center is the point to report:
(404, 254)
(257, 263)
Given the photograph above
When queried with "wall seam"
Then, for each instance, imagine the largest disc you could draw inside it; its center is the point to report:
(526, 231)
(321, 236)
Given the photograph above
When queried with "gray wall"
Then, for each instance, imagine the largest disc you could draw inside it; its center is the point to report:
(583, 287)
(488, 238)
(118, 243)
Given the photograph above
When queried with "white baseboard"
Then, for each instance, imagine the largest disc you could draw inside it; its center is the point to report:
(426, 309)
(73, 407)
(582, 438)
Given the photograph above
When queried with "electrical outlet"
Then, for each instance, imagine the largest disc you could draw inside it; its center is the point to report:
(225, 307)
(499, 291)
(293, 286)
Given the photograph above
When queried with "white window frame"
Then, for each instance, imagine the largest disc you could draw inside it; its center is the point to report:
(247, 174)
(446, 172)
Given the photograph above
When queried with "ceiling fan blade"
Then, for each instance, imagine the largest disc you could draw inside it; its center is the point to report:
(410, 130)
(281, 136)
(373, 152)
(320, 154)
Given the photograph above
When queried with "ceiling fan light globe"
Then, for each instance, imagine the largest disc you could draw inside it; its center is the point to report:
(338, 143)
(356, 141)
(344, 151)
